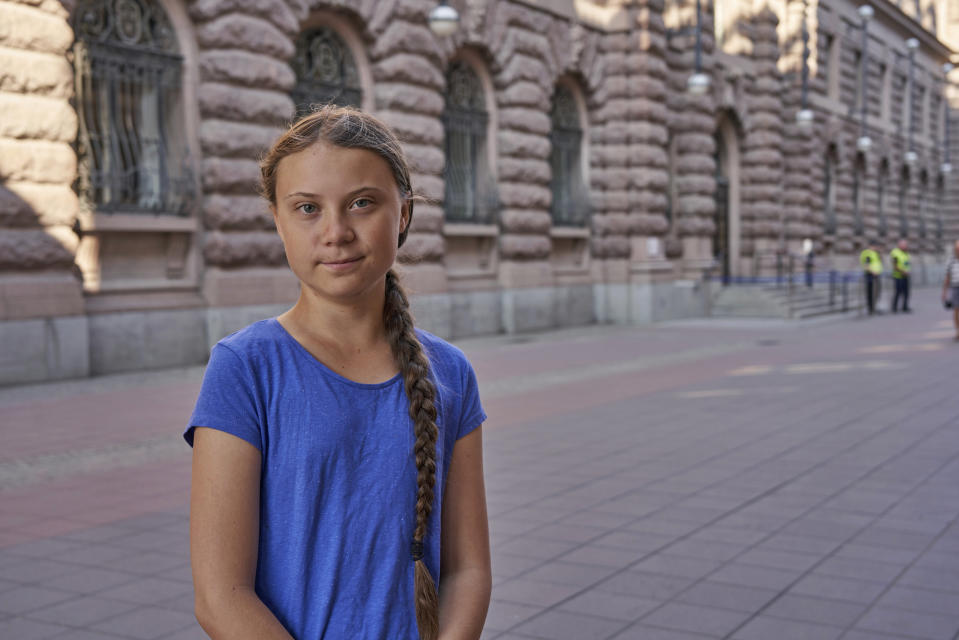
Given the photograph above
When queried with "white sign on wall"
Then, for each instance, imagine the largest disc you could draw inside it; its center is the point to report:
(652, 247)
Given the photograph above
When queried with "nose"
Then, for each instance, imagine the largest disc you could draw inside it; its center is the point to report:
(335, 229)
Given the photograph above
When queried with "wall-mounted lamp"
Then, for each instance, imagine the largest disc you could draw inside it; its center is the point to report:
(444, 20)
(864, 143)
(698, 83)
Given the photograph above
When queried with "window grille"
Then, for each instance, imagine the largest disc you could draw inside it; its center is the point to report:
(128, 76)
(469, 196)
(325, 72)
(569, 205)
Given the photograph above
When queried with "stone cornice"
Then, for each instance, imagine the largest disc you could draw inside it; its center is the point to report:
(894, 14)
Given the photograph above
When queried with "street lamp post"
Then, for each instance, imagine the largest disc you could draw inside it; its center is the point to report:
(911, 156)
(698, 83)
(804, 117)
(865, 142)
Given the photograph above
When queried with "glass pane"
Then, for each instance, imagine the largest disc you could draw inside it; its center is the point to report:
(465, 120)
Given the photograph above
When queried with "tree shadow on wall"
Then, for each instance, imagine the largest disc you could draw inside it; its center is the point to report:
(25, 243)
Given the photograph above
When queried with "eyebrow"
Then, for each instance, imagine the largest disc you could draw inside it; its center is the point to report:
(354, 192)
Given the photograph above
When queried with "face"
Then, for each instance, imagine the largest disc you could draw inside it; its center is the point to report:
(339, 214)
(903, 245)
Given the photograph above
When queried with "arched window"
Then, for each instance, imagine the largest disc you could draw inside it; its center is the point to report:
(468, 196)
(569, 204)
(858, 177)
(325, 71)
(132, 157)
(903, 192)
(829, 192)
(881, 197)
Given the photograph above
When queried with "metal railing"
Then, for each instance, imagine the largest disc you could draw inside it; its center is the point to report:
(846, 289)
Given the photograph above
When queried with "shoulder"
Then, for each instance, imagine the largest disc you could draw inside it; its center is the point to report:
(255, 349)
(250, 340)
(441, 354)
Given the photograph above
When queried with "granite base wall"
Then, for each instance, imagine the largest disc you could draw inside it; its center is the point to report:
(78, 346)
(44, 349)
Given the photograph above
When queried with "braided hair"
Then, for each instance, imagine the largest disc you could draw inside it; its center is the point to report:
(351, 128)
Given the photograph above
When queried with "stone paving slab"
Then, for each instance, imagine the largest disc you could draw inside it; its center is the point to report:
(692, 481)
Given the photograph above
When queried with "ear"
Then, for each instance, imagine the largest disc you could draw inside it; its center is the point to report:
(404, 216)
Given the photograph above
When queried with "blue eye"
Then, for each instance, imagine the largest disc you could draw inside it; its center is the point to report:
(362, 203)
(307, 208)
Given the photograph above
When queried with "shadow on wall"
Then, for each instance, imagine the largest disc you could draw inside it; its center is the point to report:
(42, 326)
(26, 246)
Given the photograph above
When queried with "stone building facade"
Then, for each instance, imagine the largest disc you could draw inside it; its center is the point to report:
(571, 178)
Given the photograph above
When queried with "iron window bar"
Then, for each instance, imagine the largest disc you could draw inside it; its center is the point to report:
(325, 72)
(128, 75)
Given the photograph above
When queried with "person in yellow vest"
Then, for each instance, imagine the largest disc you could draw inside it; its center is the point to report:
(871, 270)
(899, 258)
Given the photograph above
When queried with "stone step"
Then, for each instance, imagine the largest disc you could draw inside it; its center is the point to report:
(774, 302)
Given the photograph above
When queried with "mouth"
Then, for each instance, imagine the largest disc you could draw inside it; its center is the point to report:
(344, 263)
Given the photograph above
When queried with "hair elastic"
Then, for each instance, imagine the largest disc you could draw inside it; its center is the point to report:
(417, 550)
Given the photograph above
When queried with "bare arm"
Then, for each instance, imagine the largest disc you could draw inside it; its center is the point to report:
(465, 575)
(224, 532)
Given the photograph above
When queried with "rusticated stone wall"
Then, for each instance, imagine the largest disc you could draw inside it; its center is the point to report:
(243, 102)
(531, 51)
(648, 131)
(524, 87)
(762, 166)
(632, 76)
(409, 78)
(37, 126)
(797, 170)
(692, 120)
(610, 153)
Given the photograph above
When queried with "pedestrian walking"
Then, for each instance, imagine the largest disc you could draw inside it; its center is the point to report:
(337, 474)
(809, 260)
(899, 260)
(871, 272)
(950, 287)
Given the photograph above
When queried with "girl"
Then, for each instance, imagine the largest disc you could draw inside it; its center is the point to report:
(337, 455)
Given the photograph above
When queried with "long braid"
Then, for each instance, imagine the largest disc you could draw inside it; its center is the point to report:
(421, 393)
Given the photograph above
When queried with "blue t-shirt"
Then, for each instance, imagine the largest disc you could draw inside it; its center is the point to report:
(338, 479)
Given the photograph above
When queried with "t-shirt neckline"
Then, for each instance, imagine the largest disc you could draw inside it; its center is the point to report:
(325, 370)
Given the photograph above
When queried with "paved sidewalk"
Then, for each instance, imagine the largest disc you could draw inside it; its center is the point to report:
(743, 480)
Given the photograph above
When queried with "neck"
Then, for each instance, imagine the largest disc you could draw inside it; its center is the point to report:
(355, 324)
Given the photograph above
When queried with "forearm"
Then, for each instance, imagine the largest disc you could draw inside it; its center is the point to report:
(239, 615)
(464, 601)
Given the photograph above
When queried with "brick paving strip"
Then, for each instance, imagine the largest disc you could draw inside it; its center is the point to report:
(742, 480)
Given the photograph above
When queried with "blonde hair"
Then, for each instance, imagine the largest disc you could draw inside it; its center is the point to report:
(351, 128)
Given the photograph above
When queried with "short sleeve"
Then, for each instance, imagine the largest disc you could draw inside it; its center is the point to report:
(227, 400)
(472, 414)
